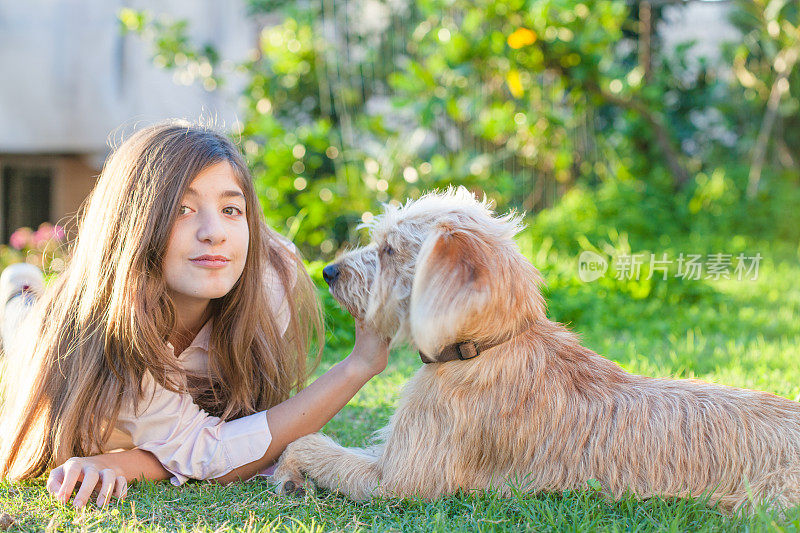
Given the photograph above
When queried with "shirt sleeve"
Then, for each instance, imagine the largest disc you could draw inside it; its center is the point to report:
(189, 442)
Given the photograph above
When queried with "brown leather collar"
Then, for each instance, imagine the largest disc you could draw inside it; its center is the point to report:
(464, 351)
(459, 351)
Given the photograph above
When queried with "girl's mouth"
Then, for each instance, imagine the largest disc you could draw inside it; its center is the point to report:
(210, 261)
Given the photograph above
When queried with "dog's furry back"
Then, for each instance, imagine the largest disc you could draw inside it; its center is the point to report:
(549, 414)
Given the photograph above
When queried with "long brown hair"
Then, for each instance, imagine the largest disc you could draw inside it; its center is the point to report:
(105, 321)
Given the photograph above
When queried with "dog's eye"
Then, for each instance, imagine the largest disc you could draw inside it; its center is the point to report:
(387, 250)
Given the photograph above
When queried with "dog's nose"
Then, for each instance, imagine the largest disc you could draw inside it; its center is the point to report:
(330, 273)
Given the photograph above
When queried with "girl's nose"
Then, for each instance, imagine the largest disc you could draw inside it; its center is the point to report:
(211, 229)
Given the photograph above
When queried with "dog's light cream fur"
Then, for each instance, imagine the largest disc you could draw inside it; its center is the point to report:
(539, 411)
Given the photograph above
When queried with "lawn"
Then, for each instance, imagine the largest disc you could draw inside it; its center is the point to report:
(739, 333)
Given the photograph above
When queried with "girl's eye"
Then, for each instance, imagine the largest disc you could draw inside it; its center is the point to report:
(232, 210)
(183, 210)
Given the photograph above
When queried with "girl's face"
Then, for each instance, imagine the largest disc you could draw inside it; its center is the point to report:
(208, 245)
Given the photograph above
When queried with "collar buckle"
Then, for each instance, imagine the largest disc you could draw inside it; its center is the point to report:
(467, 350)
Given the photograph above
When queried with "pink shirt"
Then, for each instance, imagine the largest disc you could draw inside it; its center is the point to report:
(187, 441)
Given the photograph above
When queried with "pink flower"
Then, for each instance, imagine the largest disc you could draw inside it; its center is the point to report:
(58, 233)
(47, 235)
(20, 238)
(43, 234)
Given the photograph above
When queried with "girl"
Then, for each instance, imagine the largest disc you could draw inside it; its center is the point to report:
(170, 345)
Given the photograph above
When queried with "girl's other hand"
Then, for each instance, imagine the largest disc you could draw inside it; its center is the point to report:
(94, 474)
(371, 351)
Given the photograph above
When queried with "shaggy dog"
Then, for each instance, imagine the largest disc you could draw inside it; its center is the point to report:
(512, 398)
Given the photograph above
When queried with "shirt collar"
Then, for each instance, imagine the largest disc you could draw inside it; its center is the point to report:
(203, 337)
(201, 341)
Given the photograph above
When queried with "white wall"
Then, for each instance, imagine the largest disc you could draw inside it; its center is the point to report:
(68, 77)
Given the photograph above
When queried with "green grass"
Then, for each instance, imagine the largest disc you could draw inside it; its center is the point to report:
(744, 334)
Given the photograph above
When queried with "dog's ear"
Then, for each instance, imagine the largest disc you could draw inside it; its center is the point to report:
(470, 283)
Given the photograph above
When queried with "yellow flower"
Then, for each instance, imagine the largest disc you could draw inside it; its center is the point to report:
(514, 83)
(521, 37)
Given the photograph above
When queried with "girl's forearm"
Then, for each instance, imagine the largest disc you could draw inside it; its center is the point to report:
(306, 412)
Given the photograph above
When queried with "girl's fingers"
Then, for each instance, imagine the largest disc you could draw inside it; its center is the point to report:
(72, 473)
(108, 481)
(63, 481)
(121, 487)
(90, 477)
(55, 480)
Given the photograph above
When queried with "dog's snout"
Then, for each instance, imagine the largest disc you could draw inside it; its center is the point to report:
(330, 273)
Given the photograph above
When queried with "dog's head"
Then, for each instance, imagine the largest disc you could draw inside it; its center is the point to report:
(440, 270)
(351, 277)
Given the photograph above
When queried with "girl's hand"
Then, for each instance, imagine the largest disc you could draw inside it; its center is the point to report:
(371, 351)
(94, 473)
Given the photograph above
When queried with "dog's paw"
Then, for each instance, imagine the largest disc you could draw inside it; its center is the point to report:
(288, 478)
(298, 460)
(292, 484)
(296, 488)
